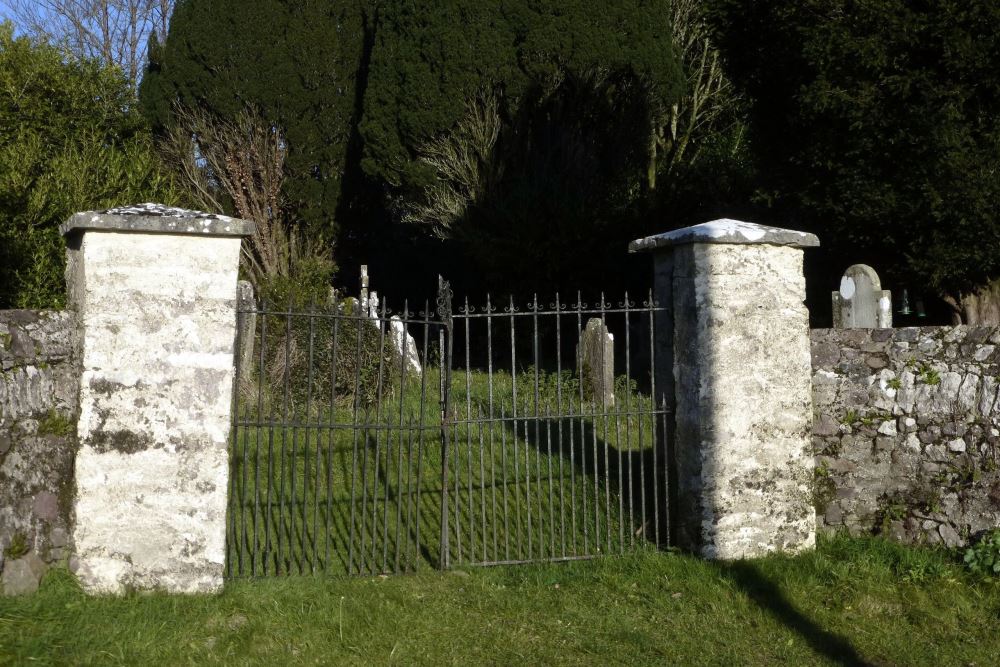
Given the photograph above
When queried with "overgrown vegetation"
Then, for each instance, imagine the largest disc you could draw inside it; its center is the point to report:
(70, 140)
(852, 601)
(841, 94)
(984, 556)
(55, 423)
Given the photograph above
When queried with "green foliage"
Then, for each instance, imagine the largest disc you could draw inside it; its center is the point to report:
(54, 423)
(69, 141)
(18, 546)
(984, 556)
(295, 62)
(362, 90)
(852, 600)
(928, 375)
(315, 357)
(878, 126)
(428, 54)
(490, 119)
(923, 497)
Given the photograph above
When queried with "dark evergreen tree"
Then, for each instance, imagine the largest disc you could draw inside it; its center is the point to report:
(368, 92)
(877, 125)
(296, 63)
(520, 131)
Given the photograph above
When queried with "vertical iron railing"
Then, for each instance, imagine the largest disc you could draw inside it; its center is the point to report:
(341, 464)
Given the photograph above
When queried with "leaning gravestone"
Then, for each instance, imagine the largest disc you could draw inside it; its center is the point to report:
(246, 322)
(596, 356)
(861, 303)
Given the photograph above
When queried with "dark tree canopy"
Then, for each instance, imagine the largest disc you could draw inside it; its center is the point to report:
(877, 124)
(432, 56)
(296, 63)
(529, 123)
(363, 89)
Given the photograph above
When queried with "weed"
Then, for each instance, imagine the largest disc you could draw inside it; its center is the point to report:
(850, 418)
(18, 546)
(928, 375)
(54, 423)
(984, 556)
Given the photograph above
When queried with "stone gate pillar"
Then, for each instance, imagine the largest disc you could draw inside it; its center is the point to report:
(154, 293)
(733, 358)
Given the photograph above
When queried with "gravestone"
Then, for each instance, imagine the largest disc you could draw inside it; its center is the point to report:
(402, 342)
(596, 358)
(246, 322)
(404, 345)
(861, 303)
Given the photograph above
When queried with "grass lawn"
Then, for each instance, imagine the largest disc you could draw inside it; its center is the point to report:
(361, 491)
(852, 601)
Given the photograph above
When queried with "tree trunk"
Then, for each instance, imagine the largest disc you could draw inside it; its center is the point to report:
(981, 308)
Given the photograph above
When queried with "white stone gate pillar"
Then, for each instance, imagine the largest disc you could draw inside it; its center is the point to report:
(154, 292)
(733, 356)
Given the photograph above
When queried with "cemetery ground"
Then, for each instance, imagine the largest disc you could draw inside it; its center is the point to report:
(853, 601)
(543, 480)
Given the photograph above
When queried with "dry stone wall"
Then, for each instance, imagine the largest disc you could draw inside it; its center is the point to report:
(39, 383)
(906, 431)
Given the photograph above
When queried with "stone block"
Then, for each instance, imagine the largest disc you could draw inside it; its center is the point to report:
(46, 506)
(22, 575)
(825, 425)
(825, 355)
(155, 292)
(741, 378)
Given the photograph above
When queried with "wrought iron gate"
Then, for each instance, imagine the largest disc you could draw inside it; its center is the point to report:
(368, 442)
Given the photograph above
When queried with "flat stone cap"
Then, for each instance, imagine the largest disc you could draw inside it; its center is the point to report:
(726, 231)
(157, 219)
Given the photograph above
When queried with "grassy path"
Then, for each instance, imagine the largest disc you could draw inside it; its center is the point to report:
(851, 602)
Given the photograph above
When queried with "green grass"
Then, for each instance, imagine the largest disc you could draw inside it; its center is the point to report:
(850, 602)
(544, 487)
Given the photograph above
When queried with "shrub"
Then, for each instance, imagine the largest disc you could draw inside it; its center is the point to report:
(984, 556)
(70, 140)
(300, 359)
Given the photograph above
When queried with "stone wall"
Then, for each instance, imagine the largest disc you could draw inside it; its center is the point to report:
(39, 383)
(906, 431)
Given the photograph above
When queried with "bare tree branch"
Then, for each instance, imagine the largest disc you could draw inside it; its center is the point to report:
(114, 31)
(710, 94)
(241, 162)
(464, 164)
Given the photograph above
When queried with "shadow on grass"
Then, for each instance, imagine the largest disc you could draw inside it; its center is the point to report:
(768, 596)
(635, 473)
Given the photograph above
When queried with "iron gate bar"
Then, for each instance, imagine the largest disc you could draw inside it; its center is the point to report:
(271, 533)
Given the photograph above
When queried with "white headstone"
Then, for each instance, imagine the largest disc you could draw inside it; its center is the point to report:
(861, 303)
(596, 353)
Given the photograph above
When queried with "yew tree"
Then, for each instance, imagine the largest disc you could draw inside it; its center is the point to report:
(877, 125)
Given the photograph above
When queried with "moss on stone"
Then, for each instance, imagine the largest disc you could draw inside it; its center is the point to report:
(54, 423)
(824, 489)
(125, 442)
(18, 546)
